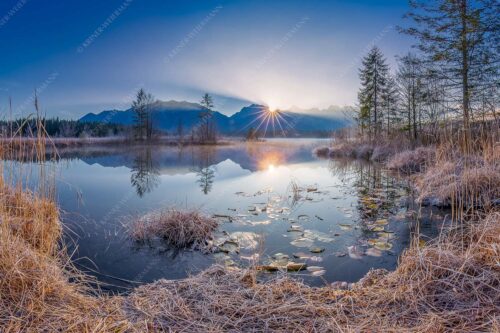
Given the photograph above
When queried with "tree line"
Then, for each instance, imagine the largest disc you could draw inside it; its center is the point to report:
(452, 75)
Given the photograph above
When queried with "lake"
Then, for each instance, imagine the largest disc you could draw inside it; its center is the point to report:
(275, 201)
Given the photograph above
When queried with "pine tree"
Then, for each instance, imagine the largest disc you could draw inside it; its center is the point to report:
(143, 120)
(373, 75)
(206, 130)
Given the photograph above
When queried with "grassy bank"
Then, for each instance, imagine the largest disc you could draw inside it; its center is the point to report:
(450, 284)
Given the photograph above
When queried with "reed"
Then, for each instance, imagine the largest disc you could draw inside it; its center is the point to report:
(178, 228)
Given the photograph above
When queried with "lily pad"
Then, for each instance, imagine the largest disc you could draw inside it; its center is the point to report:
(302, 242)
(317, 249)
(373, 252)
(246, 240)
(345, 226)
(318, 273)
(314, 268)
(386, 235)
(381, 222)
(354, 252)
(301, 255)
(384, 246)
(229, 247)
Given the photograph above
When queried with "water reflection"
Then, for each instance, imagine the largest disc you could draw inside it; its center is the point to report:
(206, 179)
(144, 174)
(348, 212)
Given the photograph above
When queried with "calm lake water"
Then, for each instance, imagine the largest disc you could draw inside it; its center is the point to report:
(355, 212)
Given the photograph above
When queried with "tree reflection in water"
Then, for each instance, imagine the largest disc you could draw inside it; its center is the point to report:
(144, 175)
(203, 158)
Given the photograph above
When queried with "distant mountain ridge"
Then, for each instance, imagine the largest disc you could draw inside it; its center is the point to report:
(169, 115)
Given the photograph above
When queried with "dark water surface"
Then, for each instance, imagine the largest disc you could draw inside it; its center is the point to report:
(356, 211)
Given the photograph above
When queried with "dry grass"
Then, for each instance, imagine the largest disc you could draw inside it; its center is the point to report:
(410, 161)
(465, 183)
(35, 295)
(180, 229)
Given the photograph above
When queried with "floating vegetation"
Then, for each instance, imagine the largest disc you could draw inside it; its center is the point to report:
(318, 235)
(255, 223)
(354, 252)
(302, 242)
(289, 267)
(317, 249)
(384, 246)
(345, 226)
(373, 252)
(295, 228)
(302, 255)
(229, 247)
(245, 240)
(381, 222)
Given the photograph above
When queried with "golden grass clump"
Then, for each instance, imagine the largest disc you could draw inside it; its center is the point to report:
(177, 228)
(465, 182)
(35, 293)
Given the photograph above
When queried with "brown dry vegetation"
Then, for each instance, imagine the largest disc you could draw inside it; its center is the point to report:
(177, 228)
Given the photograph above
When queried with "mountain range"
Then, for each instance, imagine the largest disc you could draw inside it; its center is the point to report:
(168, 115)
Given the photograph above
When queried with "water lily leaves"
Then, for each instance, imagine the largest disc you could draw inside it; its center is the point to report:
(384, 246)
(301, 255)
(374, 252)
(253, 257)
(303, 217)
(377, 228)
(317, 249)
(229, 247)
(290, 267)
(381, 222)
(354, 252)
(319, 273)
(246, 240)
(295, 228)
(345, 226)
(318, 235)
(314, 268)
(302, 242)
(254, 223)
(386, 235)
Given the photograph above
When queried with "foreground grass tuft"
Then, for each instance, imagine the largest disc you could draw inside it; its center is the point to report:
(180, 229)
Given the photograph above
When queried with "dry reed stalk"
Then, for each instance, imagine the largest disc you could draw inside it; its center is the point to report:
(177, 228)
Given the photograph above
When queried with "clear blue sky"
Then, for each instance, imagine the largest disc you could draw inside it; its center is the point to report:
(283, 53)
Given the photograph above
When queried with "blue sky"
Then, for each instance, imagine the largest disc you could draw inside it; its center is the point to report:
(283, 53)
